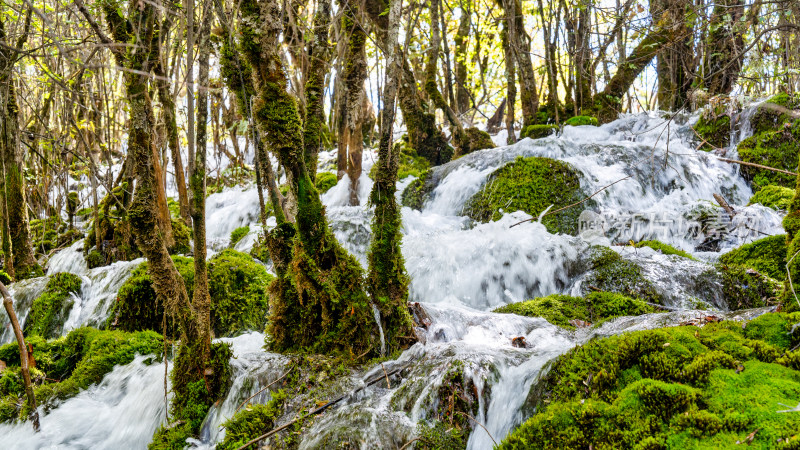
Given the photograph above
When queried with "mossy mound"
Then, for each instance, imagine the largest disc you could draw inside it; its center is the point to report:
(78, 360)
(238, 234)
(5, 278)
(772, 113)
(715, 130)
(531, 185)
(538, 131)
(236, 282)
(776, 148)
(682, 387)
(52, 233)
(664, 248)
(325, 181)
(476, 140)
(612, 273)
(182, 235)
(418, 192)
(744, 288)
(582, 120)
(252, 422)
(767, 256)
(775, 197)
(567, 311)
(51, 309)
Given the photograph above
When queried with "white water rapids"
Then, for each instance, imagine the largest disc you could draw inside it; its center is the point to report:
(459, 270)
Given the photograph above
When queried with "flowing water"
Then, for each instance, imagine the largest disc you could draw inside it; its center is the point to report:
(459, 271)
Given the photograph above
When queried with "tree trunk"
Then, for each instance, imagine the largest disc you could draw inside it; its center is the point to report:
(519, 43)
(511, 85)
(462, 36)
(354, 75)
(675, 64)
(8, 303)
(319, 59)
(725, 50)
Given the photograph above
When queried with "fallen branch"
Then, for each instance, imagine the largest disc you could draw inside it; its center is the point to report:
(486, 429)
(759, 166)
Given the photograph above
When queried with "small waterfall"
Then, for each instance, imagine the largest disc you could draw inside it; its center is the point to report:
(377, 315)
(24, 293)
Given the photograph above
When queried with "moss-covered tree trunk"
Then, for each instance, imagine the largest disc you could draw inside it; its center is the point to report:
(725, 47)
(675, 64)
(511, 84)
(461, 71)
(319, 55)
(13, 158)
(354, 75)
(519, 44)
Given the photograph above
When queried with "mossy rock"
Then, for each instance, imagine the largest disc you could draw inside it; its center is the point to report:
(681, 387)
(531, 185)
(78, 360)
(478, 139)
(744, 288)
(715, 130)
(538, 131)
(773, 148)
(581, 121)
(95, 259)
(325, 181)
(610, 272)
(418, 192)
(768, 118)
(5, 278)
(664, 248)
(775, 197)
(236, 282)
(252, 422)
(50, 310)
(238, 234)
(767, 256)
(564, 310)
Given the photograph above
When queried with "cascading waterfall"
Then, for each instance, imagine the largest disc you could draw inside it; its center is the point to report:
(459, 270)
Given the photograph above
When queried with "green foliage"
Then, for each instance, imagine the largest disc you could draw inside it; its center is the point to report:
(78, 360)
(582, 120)
(664, 248)
(237, 284)
(775, 197)
(767, 255)
(238, 234)
(611, 273)
(51, 309)
(682, 387)
(716, 131)
(252, 421)
(418, 191)
(531, 185)
(562, 310)
(325, 181)
(538, 131)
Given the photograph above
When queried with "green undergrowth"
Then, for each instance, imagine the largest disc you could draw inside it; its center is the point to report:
(531, 185)
(252, 422)
(237, 284)
(238, 234)
(681, 387)
(565, 310)
(610, 272)
(664, 248)
(72, 363)
(52, 233)
(581, 120)
(51, 309)
(325, 181)
(767, 255)
(775, 197)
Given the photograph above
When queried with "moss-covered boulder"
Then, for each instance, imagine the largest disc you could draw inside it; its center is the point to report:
(418, 192)
(237, 284)
(744, 288)
(78, 360)
(610, 272)
(567, 311)
(531, 185)
(715, 130)
(775, 197)
(777, 148)
(251, 422)
(475, 140)
(238, 234)
(538, 131)
(52, 233)
(682, 387)
(51, 309)
(664, 248)
(767, 256)
(581, 121)
(773, 113)
(325, 181)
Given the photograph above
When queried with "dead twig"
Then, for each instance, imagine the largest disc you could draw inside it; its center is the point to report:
(486, 429)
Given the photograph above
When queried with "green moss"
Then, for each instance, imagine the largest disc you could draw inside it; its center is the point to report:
(563, 310)
(440, 436)
(418, 192)
(775, 197)
(682, 387)
(51, 309)
(325, 181)
(538, 131)
(745, 288)
(238, 234)
(252, 422)
(716, 131)
(777, 148)
(5, 278)
(117, 240)
(78, 360)
(478, 139)
(531, 185)
(582, 120)
(95, 259)
(664, 248)
(768, 118)
(767, 256)
(611, 273)
(182, 236)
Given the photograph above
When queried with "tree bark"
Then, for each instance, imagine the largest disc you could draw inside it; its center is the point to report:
(519, 44)
(725, 49)
(675, 64)
(462, 36)
(354, 75)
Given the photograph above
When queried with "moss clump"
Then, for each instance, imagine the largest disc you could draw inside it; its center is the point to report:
(768, 118)
(775, 197)
(778, 149)
(237, 284)
(51, 309)
(238, 234)
(418, 192)
(767, 256)
(182, 236)
(78, 360)
(538, 131)
(478, 139)
(611, 273)
(664, 248)
(714, 130)
(582, 120)
(252, 422)
(52, 233)
(745, 288)
(682, 387)
(325, 181)
(5, 278)
(531, 185)
(95, 259)
(564, 310)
